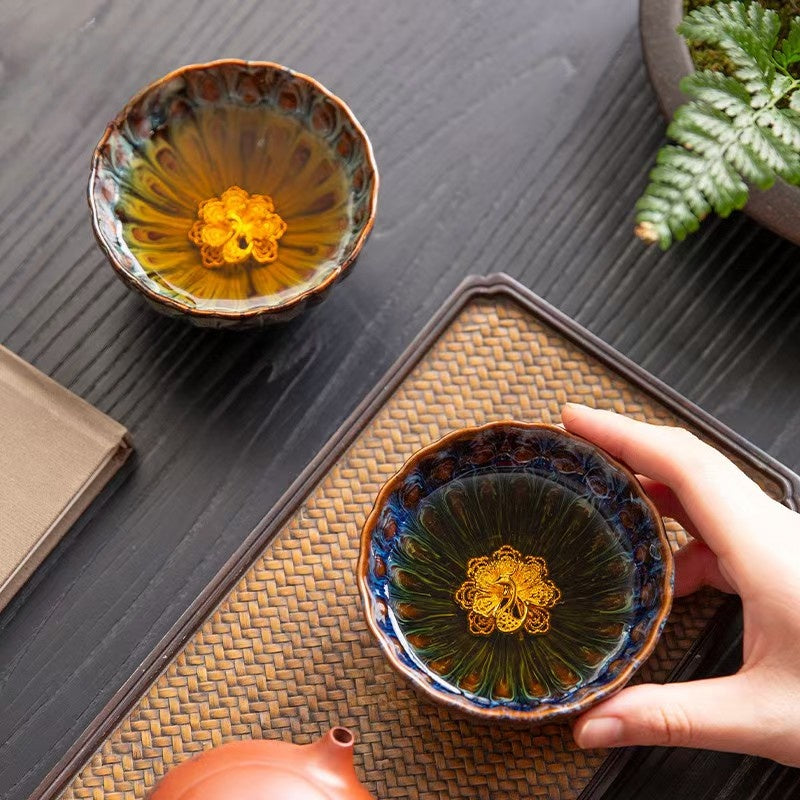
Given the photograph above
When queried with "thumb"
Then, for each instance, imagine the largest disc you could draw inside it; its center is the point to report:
(717, 714)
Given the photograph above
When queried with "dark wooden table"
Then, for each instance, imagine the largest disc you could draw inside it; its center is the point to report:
(510, 137)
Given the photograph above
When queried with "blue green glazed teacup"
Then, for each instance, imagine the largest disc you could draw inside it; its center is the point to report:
(515, 571)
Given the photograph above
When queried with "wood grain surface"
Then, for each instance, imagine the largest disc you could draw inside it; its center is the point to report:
(510, 136)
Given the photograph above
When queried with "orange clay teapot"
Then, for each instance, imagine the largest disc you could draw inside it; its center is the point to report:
(263, 769)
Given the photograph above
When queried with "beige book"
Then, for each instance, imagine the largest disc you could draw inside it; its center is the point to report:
(56, 453)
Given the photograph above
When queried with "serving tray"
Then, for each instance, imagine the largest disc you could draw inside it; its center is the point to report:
(277, 646)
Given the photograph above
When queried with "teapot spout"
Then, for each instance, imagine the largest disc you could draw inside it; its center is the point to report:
(332, 761)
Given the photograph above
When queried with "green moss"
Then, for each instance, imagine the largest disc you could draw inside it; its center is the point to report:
(708, 57)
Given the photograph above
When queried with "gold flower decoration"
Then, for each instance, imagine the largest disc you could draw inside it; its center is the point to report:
(507, 591)
(236, 226)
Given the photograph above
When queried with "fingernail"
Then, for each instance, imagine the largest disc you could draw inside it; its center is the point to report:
(600, 732)
(579, 407)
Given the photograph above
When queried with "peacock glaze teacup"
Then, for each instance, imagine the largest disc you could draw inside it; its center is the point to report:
(515, 572)
(234, 193)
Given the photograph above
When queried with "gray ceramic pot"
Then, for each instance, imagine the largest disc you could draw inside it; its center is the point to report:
(667, 59)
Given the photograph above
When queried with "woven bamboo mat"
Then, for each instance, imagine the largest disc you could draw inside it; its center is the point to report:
(287, 654)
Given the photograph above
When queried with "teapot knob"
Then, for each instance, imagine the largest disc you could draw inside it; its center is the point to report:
(331, 759)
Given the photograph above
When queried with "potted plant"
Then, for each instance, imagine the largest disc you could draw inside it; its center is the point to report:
(737, 90)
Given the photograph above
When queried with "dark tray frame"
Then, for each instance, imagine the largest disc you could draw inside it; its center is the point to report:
(707, 655)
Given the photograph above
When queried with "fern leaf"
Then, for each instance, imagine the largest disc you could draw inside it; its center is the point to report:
(675, 203)
(708, 124)
(718, 91)
(747, 34)
(735, 130)
(747, 30)
(773, 153)
(684, 183)
(693, 137)
(790, 46)
(723, 186)
(747, 162)
(780, 85)
(785, 124)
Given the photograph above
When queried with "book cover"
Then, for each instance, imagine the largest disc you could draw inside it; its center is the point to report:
(56, 453)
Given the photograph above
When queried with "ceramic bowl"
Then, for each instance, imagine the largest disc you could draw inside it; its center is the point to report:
(233, 193)
(515, 572)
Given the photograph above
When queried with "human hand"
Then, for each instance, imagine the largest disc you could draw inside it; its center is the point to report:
(744, 542)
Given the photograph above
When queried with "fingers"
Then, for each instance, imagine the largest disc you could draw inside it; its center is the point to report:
(718, 497)
(717, 714)
(696, 566)
(668, 504)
